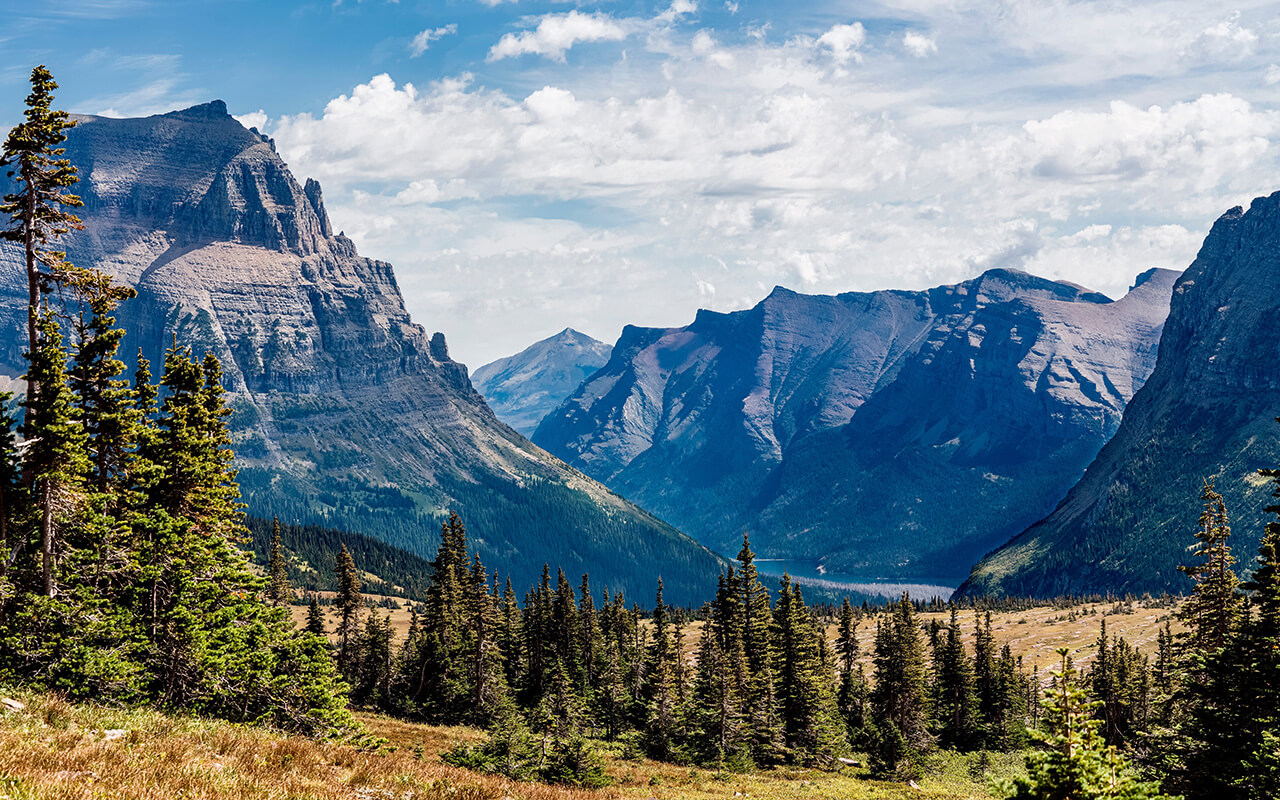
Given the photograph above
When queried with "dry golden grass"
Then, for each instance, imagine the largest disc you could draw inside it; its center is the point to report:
(57, 751)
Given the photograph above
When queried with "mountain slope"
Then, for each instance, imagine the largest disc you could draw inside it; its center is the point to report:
(886, 435)
(1206, 412)
(346, 413)
(523, 388)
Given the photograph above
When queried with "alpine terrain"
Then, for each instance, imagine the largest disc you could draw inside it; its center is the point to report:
(1206, 413)
(346, 413)
(891, 434)
(523, 388)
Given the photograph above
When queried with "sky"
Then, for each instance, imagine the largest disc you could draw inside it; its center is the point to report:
(529, 165)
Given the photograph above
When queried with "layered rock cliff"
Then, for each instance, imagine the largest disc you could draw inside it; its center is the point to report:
(346, 412)
(523, 388)
(1207, 412)
(887, 434)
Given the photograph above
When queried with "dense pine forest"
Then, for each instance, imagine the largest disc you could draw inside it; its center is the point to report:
(125, 579)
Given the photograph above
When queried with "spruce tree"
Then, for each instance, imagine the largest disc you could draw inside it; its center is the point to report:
(955, 696)
(811, 720)
(348, 601)
(661, 685)
(764, 718)
(315, 617)
(1073, 762)
(37, 215)
(899, 697)
(278, 591)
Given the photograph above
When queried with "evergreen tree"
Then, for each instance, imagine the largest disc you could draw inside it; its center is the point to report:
(315, 617)
(37, 215)
(661, 687)
(348, 601)
(1073, 762)
(278, 591)
(955, 696)
(899, 696)
(768, 739)
(56, 459)
(811, 719)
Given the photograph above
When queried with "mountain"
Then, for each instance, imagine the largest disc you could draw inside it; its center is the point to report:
(523, 388)
(346, 413)
(883, 435)
(1207, 412)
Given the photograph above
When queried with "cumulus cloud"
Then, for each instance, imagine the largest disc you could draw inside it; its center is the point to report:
(712, 163)
(919, 45)
(843, 42)
(557, 33)
(424, 39)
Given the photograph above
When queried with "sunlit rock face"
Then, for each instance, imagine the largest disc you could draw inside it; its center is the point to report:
(346, 412)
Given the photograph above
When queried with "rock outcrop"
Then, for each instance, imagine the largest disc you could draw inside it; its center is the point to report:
(345, 412)
(892, 434)
(1207, 412)
(523, 388)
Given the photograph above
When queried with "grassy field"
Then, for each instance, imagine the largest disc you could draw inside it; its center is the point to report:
(53, 750)
(1034, 635)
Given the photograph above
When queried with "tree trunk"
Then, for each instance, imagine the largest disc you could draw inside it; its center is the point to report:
(46, 537)
(33, 299)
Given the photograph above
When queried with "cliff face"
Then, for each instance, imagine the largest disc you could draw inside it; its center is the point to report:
(523, 388)
(1206, 412)
(346, 412)
(886, 434)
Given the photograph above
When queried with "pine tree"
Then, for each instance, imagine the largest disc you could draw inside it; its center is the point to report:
(56, 458)
(955, 695)
(1073, 762)
(899, 696)
(36, 210)
(811, 719)
(348, 601)
(315, 617)
(764, 719)
(661, 685)
(278, 591)
(104, 399)
(1211, 721)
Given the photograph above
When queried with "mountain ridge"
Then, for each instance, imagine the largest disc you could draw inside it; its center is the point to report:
(791, 418)
(346, 413)
(1207, 412)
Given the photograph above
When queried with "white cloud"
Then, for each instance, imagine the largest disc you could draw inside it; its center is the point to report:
(843, 41)
(424, 39)
(919, 45)
(710, 164)
(1226, 40)
(557, 33)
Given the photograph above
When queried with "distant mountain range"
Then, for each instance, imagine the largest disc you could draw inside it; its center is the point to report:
(346, 413)
(1207, 412)
(892, 434)
(523, 388)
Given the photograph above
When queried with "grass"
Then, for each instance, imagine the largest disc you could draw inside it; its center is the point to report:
(54, 750)
(60, 751)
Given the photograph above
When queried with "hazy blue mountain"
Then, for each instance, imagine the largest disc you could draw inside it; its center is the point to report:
(888, 434)
(1207, 412)
(523, 388)
(347, 414)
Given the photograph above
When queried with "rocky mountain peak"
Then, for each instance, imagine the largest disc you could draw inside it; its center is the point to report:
(880, 431)
(1206, 411)
(523, 388)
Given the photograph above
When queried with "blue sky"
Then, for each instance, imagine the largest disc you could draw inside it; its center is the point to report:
(531, 165)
